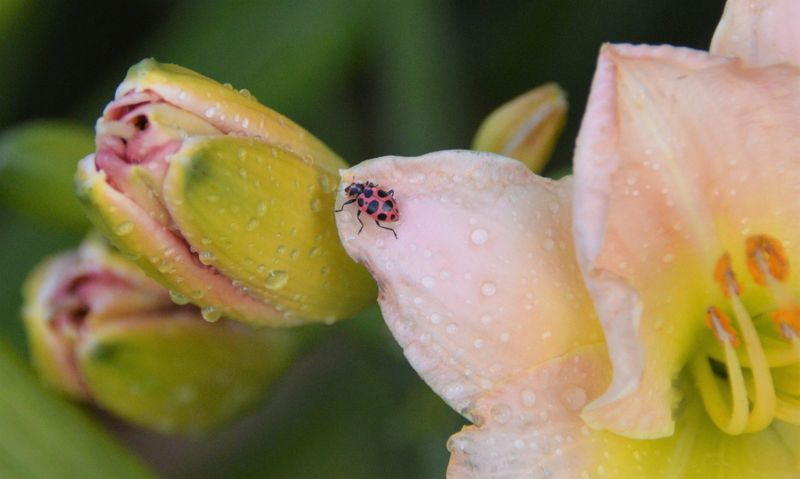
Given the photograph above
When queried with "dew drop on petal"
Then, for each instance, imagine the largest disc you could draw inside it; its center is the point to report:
(528, 398)
(488, 288)
(479, 236)
(428, 282)
(435, 318)
(501, 413)
(452, 328)
(574, 398)
(548, 244)
(316, 205)
(276, 279)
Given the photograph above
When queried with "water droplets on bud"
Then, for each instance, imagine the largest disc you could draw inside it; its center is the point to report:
(123, 228)
(276, 279)
(488, 288)
(178, 298)
(479, 236)
(210, 313)
(206, 257)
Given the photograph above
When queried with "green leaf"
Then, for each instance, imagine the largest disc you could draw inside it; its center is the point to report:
(37, 163)
(45, 437)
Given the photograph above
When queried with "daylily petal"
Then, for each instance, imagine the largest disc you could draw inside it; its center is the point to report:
(670, 175)
(532, 429)
(481, 283)
(761, 32)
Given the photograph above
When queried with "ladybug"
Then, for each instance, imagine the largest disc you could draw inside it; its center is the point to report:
(379, 204)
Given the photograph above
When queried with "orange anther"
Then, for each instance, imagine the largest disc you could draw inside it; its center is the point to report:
(788, 322)
(725, 277)
(720, 324)
(766, 256)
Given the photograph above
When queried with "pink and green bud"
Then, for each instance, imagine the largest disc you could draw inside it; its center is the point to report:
(223, 201)
(101, 331)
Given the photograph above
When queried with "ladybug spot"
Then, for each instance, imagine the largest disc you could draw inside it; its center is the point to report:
(381, 216)
(372, 207)
(368, 193)
(382, 194)
(388, 205)
(393, 217)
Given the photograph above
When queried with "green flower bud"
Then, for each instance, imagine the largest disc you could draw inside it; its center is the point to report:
(101, 331)
(37, 163)
(527, 127)
(222, 200)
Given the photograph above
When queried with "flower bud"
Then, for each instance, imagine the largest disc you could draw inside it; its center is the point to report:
(101, 331)
(527, 127)
(225, 202)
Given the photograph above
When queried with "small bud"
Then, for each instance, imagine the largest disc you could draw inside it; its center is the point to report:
(526, 128)
(221, 200)
(101, 331)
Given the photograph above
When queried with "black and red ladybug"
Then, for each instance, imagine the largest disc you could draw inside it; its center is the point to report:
(371, 199)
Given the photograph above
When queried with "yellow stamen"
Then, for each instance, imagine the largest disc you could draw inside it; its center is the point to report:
(763, 403)
(763, 410)
(733, 418)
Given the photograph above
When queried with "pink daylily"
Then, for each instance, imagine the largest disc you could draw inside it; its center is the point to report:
(641, 319)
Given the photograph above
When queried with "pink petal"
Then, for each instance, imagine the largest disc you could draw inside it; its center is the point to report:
(681, 155)
(481, 283)
(761, 32)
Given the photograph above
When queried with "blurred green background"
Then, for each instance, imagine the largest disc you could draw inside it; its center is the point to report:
(369, 78)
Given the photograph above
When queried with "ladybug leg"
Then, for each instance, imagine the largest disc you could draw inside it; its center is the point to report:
(343, 205)
(390, 193)
(358, 217)
(386, 228)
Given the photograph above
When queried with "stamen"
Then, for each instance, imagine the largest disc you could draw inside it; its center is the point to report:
(720, 324)
(766, 257)
(732, 418)
(763, 410)
(763, 401)
(788, 323)
(788, 409)
(725, 277)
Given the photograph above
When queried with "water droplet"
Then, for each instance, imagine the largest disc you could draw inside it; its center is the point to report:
(486, 318)
(452, 328)
(435, 318)
(428, 282)
(315, 251)
(479, 236)
(276, 279)
(206, 257)
(294, 254)
(252, 224)
(488, 288)
(123, 228)
(505, 337)
(478, 343)
(178, 298)
(210, 112)
(668, 258)
(574, 398)
(280, 250)
(261, 209)
(501, 413)
(316, 205)
(197, 294)
(210, 313)
(324, 270)
(528, 397)
(548, 244)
